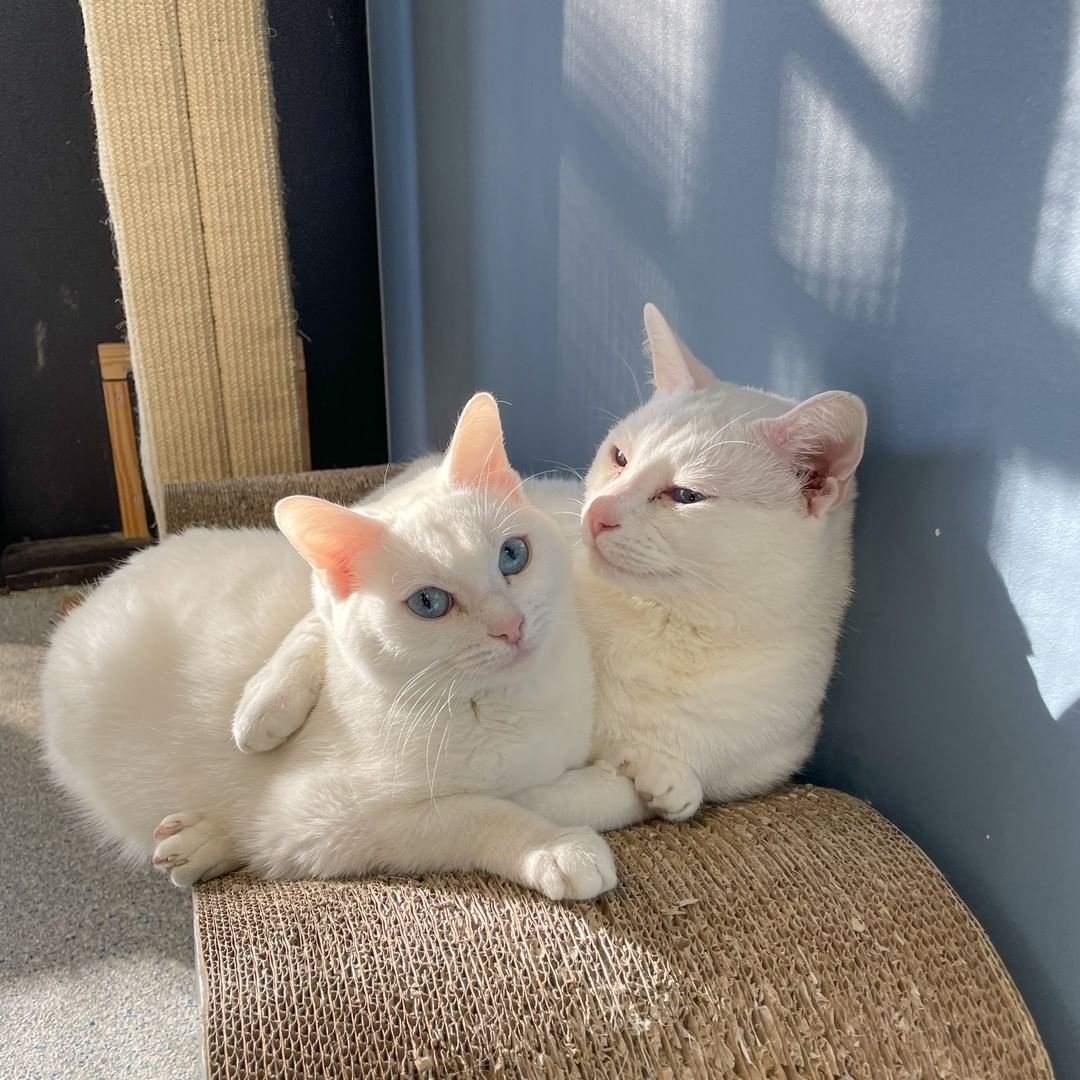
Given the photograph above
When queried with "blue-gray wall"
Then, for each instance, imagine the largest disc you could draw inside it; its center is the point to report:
(881, 196)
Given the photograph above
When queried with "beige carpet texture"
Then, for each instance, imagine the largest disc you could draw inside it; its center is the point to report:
(96, 972)
(799, 935)
(188, 151)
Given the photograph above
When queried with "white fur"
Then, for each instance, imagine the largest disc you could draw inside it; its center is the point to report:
(713, 626)
(424, 731)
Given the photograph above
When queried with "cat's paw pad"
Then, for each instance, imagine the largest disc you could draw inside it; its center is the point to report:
(191, 848)
(670, 788)
(270, 712)
(576, 865)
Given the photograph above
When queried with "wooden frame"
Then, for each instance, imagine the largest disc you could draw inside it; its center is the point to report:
(301, 397)
(115, 362)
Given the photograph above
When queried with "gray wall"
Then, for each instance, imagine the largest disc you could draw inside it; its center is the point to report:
(883, 197)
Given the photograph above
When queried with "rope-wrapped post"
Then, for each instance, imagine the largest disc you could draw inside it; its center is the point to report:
(188, 149)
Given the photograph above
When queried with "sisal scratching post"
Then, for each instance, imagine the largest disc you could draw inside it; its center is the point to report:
(187, 144)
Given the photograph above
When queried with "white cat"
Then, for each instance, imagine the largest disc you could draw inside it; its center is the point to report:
(454, 678)
(717, 523)
(712, 583)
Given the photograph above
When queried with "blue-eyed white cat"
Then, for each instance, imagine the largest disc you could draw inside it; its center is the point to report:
(455, 688)
(712, 581)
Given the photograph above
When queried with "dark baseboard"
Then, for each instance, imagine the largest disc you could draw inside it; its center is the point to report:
(71, 560)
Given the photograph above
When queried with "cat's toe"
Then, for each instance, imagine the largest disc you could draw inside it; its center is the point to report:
(577, 865)
(266, 731)
(171, 825)
(671, 789)
(264, 720)
(190, 848)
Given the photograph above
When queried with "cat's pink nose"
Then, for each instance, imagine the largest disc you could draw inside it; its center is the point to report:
(508, 628)
(601, 515)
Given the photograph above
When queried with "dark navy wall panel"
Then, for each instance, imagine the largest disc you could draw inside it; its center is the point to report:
(319, 62)
(59, 291)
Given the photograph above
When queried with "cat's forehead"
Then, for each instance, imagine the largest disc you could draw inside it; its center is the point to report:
(449, 525)
(675, 423)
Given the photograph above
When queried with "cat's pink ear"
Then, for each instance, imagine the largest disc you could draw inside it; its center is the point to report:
(675, 367)
(476, 456)
(822, 437)
(332, 539)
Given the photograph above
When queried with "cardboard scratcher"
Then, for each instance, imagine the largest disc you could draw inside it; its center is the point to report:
(239, 503)
(797, 935)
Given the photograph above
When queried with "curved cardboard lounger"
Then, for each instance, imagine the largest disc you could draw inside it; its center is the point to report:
(799, 935)
(796, 935)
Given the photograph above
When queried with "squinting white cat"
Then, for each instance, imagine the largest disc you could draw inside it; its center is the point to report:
(713, 579)
(717, 523)
(454, 679)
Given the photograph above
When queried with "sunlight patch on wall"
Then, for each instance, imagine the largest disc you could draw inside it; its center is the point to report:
(1055, 271)
(599, 344)
(837, 221)
(1035, 545)
(644, 69)
(791, 374)
(895, 41)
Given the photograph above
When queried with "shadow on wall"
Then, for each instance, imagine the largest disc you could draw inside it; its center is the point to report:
(851, 197)
(880, 197)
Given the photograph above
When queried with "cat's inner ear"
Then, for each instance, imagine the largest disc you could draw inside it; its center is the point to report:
(335, 541)
(823, 438)
(675, 367)
(476, 456)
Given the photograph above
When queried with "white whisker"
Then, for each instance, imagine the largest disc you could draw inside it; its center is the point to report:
(633, 375)
(562, 465)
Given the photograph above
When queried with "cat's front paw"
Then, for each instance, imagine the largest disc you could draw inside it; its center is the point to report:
(191, 848)
(668, 786)
(270, 710)
(575, 865)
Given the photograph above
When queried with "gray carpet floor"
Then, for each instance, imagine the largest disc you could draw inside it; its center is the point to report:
(97, 975)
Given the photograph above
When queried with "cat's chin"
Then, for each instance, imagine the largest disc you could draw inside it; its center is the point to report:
(610, 569)
(513, 665)
(524, 656)
(654, 585)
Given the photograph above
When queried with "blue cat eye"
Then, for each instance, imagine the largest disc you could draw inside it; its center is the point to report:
(685, 495)
(513, 556)
(430, 602)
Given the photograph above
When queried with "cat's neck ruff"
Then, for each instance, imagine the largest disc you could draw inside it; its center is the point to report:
(719, 618)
